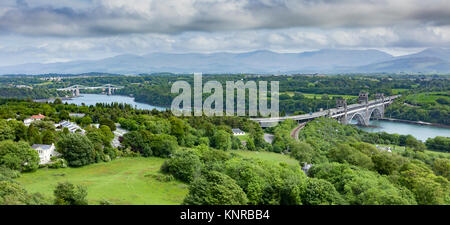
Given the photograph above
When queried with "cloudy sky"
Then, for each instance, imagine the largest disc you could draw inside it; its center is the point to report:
(58, 31)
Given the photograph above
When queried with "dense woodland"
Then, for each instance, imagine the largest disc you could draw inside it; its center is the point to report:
(199, 151)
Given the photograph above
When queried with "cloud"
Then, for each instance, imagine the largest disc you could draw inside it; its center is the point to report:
(51, 31)
(115, 17)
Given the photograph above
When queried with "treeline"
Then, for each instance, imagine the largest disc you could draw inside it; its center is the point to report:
(437, 111)
(27, 93)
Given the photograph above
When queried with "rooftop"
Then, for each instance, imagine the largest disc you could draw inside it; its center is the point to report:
(39, 116)
(237, 130)
(43, 147)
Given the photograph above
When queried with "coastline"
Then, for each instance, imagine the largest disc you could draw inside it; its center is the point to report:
(416, 122)
(48, 100)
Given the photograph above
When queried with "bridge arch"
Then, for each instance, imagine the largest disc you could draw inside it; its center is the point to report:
(376, 113)
(359, 117)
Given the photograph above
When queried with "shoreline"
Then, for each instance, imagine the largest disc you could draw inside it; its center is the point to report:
(416, 122)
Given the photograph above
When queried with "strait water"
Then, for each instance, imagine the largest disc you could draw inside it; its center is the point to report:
(421, 132)
(92, 99)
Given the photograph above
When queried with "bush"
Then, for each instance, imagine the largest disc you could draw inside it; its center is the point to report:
(184, 165)
(67, 194)
(320, 192)
(161, 177)
(215, 188)
(58, 163)
(18, 156)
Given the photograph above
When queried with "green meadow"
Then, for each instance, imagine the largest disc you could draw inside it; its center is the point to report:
(125, 181)
(427, 97)
(121, 181)
(268, 156)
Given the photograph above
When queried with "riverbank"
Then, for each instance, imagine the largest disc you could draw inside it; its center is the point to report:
(416, 122)
(49, 100)
(420, 131)
(92, 99)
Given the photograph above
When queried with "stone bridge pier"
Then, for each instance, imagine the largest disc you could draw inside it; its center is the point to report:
(364, 115)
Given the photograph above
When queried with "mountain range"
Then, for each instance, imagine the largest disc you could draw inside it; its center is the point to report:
(431, 60)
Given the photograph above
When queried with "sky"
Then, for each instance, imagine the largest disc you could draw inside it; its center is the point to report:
(46, 31)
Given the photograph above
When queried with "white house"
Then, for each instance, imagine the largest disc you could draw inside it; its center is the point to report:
(46, 152)
(237, 132)
(73, 127)
(28, 121)
(78, 115)
(119, 132)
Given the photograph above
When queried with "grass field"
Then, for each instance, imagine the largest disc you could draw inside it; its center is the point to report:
(121, 181)
(401, 149)
(268, 156)
(125, 180)
(396, 91)
(427, 97)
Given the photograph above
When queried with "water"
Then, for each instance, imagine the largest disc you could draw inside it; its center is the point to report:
(421, 132)
(92, 99)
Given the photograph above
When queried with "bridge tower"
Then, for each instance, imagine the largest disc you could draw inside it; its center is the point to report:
(363, 97)
(341, 102)
(75, 91)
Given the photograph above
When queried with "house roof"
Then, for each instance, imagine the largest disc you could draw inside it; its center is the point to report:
(39, 116)
(237, 130)
(43, 147)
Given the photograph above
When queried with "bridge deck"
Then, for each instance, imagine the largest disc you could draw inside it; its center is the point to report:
(334, 112)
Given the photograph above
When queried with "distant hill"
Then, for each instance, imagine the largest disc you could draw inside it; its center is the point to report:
(322, 61)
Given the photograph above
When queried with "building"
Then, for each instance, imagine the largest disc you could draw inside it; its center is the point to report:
(78, 115)
(28, 121)
(387, 149)
(73, 127)
(237, 132)
(306, 167)
(118, 134)
(46, 152)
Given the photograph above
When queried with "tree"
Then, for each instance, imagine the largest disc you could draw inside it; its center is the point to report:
(438, 143)
(386, 163)
(33, 135)
(64, 115)
(67, 194)
(86, 120)
(413, 143)
(48, 137)
(441, 167)
(109, 123)
(6, 132)
(320, 192)
(20, 130)
(428, 188)
(302, 151)
(344, 153)
(222, 140)
(215, 188)
(12, 193)
(184, 165)
(163, 145)
(57, 101)
(18, 156)
(77, 149)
